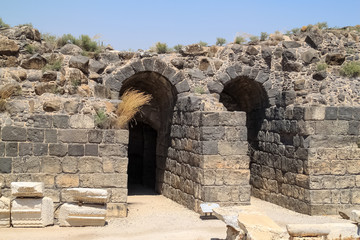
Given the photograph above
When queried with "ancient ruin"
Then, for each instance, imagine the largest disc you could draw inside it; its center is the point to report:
(276, 119)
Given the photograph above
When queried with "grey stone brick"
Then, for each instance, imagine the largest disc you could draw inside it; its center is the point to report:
(2, 149)
(148, 64)
(59, 150)
(76, 150)
(95, 136)
(182, 87)
(212, 133)
(159, 66)
(210, 119)
(354, 128)
(42, 121)
(50, 165)
(109, 136)
(356, 113)
(209, 147)
(35, 135)
(331, 113)
(138, 66)
(26, 164)
(40, 149)
(112, 150)
(61, 121)
(298, 113)
(91, 150)
(11, 149)
(127, 71)
(345, 113)
(72, 135)
(100, 180)
(25, 149)
(5, 165)
(13, 133)
(50, 135)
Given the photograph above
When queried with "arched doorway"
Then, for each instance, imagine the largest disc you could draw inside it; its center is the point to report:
(149, 136)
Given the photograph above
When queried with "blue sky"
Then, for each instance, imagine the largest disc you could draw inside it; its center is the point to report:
(141, 23)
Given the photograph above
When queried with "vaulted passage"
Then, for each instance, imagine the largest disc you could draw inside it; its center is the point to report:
(244, 94)
(149, 137)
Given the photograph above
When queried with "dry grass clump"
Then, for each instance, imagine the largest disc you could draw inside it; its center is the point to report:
(132, 101)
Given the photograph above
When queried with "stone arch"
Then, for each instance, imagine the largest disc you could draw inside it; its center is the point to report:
(164, 83)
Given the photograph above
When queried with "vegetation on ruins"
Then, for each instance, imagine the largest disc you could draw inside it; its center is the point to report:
(321, 66)
(3, 24)
(31, 48)
(220, 41)
(161, 48)
(178, 47)
(131, 103)
(264, 36)
(254, 39)
(203, 44)
(239, 40)
(53, 66)
(350, 69)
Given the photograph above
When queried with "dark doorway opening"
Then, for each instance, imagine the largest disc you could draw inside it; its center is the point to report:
(142, 158)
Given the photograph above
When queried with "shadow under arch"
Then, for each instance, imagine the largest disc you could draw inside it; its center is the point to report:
(244, 94)
(149, 136)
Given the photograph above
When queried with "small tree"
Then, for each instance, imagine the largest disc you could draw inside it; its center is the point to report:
(264, 36)
(161, 47)
(220, 41)
(203, 44)
(3, 24)
(239, 40)
(178, 47)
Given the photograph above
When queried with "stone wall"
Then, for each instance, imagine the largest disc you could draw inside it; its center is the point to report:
(50, 149)
(207, 160)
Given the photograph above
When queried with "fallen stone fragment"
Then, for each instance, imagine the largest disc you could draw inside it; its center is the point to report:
(307, 230)
(355, 216)
(86, 195)
(4, 212)
(27, 189)
(72, 215)
(32, 212)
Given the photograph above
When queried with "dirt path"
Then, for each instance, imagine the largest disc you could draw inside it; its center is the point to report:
(150, 217)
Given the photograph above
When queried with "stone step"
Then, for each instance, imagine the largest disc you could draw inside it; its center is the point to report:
(86, 195)
(308, 230)
(32, 212)
(72, 215)
(27, 189)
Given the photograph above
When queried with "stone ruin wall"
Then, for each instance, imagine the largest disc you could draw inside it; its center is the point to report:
(298, 146)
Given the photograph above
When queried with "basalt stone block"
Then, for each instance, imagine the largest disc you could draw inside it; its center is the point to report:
(42, 121)
(35, 135)
(85, 195)
(72, 215)
(331, 113)
(76, 150)
(25, 149)
(11, 149)
(345, 113)
(13, 133)
(32, 212)
(59, 150)
(4, 212)
(40, 149)
(95, 136)
(27, 189)
(60, 121)
(91, 150)
(72, 136)
(50, 135)
(182, 87)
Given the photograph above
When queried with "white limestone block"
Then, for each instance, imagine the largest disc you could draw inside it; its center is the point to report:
(355, 216)
(86, 195)
(27, 189)
(4, 212)
(32, 212)
(308, 230)
(72, 215)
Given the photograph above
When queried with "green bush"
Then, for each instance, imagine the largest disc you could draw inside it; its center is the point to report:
(321, 66)
(239, 40)
(178, 47)
(264, 36)
(161, 47)
(30, 48)
(55, 66)
(25, 25)
(220, 41)
(295, 30)
(254, 38)
(322, 25)
(65, 39)
(203, 44)
(3, 24)
(350, 69)
(87, 44)
(49, 38)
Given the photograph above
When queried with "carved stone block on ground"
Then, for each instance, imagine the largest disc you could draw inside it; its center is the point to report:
(32, 212)
(72, 215)
(4, 212)
(27, 189)
(308, 230)
(86, 195)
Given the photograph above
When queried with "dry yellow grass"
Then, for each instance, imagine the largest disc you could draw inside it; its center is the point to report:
(132, 101)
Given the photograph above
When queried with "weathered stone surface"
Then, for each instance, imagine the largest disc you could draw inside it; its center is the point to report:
(27, 189)
(4, 212)
(67, 180)
(80, 62)
(49, 76)
(42, 88)
(96, 66)
(72, 135)
(76, 150)
(314, 113)
(320, 75)
(32, 212)
(335, 58)
(5, 165)
(291, 44)
(52, 106)
(314, 39)
(72, 215)
(85, 195)
(8, 47)
(81, 121)
(35, 62)
(71, 49)
(355, 216)
(310, 56)
(308, 230)
(99, 180)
